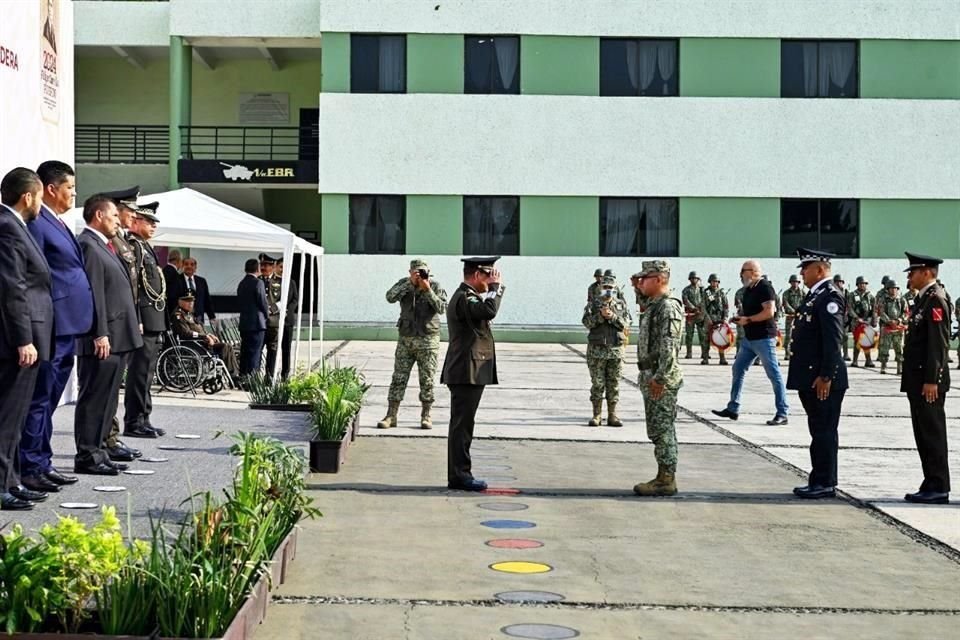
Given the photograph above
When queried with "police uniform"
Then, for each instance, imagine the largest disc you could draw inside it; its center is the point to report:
(816, 353)
(925, 363)
(185, 326)
(470, 365)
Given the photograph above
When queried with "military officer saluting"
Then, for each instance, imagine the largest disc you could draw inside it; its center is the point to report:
(791, 300)
(608, 320)
(926, 377)
(817, 371)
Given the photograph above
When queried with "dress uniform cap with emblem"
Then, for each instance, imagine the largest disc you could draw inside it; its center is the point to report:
(793, 278)
(598, 273)
(148, 211)
(809, 256)
(187, 296)
(918, 261)
(419, 263)
(480, 262)
(653, 267)
(266, 259)
(126, 197)
(862, 280)
(713, 278)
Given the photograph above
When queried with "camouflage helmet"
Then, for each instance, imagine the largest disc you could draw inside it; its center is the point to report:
(892, 284)
(609, 272)
(597, 273)
(838, 278)
(713, 278)
(608, 281)
(794, 278)
(693, 274)
(862, 280)
(885, 280)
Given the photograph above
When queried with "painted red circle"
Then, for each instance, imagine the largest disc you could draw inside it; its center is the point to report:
(514, 543)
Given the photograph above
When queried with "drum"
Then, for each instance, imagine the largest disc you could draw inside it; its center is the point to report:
(865, 336)
(722, 336)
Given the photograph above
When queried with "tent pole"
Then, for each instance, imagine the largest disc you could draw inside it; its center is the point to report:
(310, 315)
(320, 276)
(296, 336)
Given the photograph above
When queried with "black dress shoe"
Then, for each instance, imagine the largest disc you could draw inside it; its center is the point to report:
(119, 466)
(139, 431)
(39, 483)
(726, 413)
(470, 485)
(815, 492)
(120, 454)
(96, 469)
(56, 477)
(157, 430)
(136, 453)
(777, 421)
(928, 497)
(11, 503)
(23, 493)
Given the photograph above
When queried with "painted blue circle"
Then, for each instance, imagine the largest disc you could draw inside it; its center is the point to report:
(509, 524)
(539, 631)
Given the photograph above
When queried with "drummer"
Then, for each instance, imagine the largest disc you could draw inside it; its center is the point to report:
(715, 309)
(862, 312)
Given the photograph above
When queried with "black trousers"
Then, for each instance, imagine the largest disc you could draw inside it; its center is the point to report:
(823, 418)
(930, 432)
(251, 348)
(141, 367)
(97, 402)
(464, 400)
(16, 390)
(285, 346)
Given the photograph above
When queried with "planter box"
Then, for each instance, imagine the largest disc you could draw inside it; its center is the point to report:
(326, 456)
(283, 556)
(302, 408)
(355, 427)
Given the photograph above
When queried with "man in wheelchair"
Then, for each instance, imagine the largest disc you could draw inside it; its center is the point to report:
(186, 328)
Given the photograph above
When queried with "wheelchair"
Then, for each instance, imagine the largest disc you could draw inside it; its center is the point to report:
(186, 365)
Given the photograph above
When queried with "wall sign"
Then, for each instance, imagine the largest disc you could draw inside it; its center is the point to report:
(249, 171)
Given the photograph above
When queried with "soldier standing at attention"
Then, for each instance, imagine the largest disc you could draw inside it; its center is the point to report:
(839, 283)
(715, 310)
(658, 349)
(692, 296)
(926, 378)
(642, 300)
(422, 300)
(738, 303)
(791, 299)
(892, 311)
(861, 311)
(273, 288)
(471, 362)
(594, 289)
(608, 320)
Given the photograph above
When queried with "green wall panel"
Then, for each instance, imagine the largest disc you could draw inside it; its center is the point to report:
(730, 67)
(110, 91)
(730, 227)
(890, 227)
(559, 226)
(300, 208)
(434, 225)
(434, 63)
(560, 65)
(910, 69)
(335, 215)
(335, 62)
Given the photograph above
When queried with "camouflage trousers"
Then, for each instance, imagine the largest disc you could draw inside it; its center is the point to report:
(740, 337)
(698, 326)
(661, 418)
(422, 350)
(787, 335)
(606, 367)
(893, 340)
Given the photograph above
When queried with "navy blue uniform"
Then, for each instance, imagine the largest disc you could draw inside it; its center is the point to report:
(816, 351)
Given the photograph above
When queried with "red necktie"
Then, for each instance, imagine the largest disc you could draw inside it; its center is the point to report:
(112, 248)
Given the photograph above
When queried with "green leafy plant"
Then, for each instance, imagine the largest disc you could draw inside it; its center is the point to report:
(262, 390)
(332, 413)
(28, 594)
(304, 387)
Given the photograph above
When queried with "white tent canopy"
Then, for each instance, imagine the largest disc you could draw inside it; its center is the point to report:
(191, 219)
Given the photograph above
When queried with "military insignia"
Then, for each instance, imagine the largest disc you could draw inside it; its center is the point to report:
(832, 307)
(936, 314)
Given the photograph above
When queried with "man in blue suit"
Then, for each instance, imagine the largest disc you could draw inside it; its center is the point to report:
(252, 298)
(73, 316)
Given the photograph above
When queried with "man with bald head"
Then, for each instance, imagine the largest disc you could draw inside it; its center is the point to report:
(760, 341)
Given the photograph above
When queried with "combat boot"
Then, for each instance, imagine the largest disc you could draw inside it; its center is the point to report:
(723, 358)
(597, 410)
(689, 352)
(425, 421)
(899, 368)
(869, 363)
(390, 420)
(665, 484)
(856, 356)
(883, 367)
(612, 419)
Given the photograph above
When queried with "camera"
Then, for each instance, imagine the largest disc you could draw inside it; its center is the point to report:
(423, 273)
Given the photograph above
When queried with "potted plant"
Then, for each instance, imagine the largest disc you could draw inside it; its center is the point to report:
(355, 388)
(265, 393)
(333, 413)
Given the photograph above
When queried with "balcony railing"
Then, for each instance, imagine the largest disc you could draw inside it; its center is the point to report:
(250, 143)
(129, 144)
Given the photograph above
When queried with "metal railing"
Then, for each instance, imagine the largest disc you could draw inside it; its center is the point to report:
(122, 143)
(250, 143)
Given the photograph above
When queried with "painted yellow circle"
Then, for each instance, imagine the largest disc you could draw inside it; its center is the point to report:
(515, 566)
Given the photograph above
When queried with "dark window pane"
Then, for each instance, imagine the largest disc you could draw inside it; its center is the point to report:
(378, 63)
(619, 226)
(491, 64)
(477, 64)
(377, 224)
(837, 70)
(793, 72)
(657, 67)
(813, 68)
(393, 64)
(659, 226)
(839, 221)
(491, 225)
(827, 225)
(798, 226)
(618, 72)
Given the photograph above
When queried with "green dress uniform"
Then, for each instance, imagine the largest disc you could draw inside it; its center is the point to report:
(185, 326)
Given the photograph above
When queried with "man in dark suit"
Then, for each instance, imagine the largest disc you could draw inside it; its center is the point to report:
(152, 301)
(26, 324)
(190, 282)
(471, 362)
(252, 298)
(104, 350)
(171, 273)
(73, 316)
(926, 377)
(817, 371)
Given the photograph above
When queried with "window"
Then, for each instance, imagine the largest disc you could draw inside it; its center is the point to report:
(378, 64)
(632, 67)
(491, 225)
(491, 64)
(638, 226)
(826, 225)
(378, 224)
(818, 69)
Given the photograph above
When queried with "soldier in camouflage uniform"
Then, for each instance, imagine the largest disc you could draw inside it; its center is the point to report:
(946, 294)
(791, 300)
(608, 320)
(715, 310)
(893, 319)
(861, 310)
(692, 297)
(738, 303)
(617, 290)
(660, 378)
(842, 286)
(422, 300)
(594, 289)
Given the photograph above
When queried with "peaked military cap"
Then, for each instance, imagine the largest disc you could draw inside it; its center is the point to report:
(187, 296)
(693, 274)
(713, 278)
(809, 256)
(598, 273)
(483, 263)
(918, 261)
(266, 259)
(862, 280)
(653, 267)
(793, 278)
(148, 211)
(126, 197)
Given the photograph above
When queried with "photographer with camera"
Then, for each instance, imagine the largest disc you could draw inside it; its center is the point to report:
(422, 300)
(608, 319)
